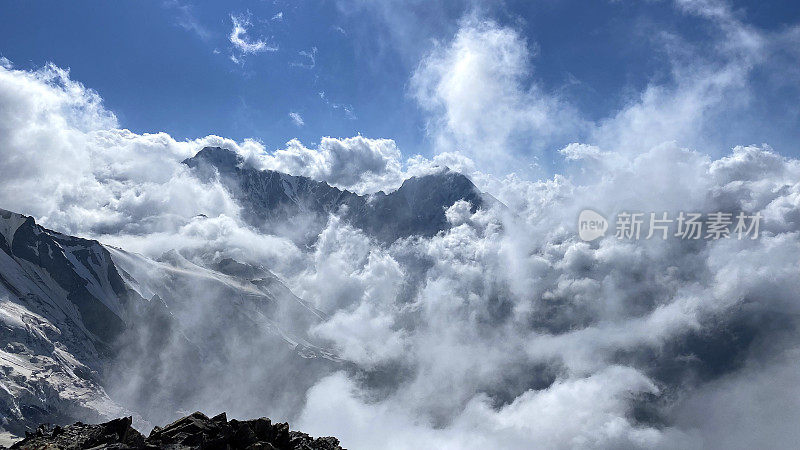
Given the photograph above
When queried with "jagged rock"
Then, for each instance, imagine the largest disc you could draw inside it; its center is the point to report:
(75, 327)
(67, 303)
(195, 431)
(268, 197)
(117, 433)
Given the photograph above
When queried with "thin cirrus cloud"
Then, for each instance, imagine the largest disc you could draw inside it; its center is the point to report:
(347, 109)
(297, 119)
(308, 59)
(242, 42)
(187, 19)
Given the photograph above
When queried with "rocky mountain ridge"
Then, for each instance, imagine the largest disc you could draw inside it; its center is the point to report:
(270, 199)
(195, 431)
(62, 305)
(78, 319)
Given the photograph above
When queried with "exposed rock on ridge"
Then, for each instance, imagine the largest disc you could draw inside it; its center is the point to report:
(195, 431)
(269, 197)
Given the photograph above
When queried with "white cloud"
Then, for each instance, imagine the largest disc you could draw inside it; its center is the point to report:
(348, 109)
(710, 85)
(715, 412)
(480, 103)
(576, 151)
(309, 59)
(187, 19)
(242, 42)
(356, 163)
(506, 330)
(67, 163)
(459, 213)
(477, 93)
(574, 413)
(529, 296)
(297, 119)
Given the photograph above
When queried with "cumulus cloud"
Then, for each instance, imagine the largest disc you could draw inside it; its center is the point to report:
(520, 334)
(477, 92)
(710, 86)
(480, 103)
(575, 151)
(505, 330)
(356, 163)
(583, 413)
(67, 162)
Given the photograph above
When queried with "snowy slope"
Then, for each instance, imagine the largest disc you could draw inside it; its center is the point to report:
(188, 289)
(61, 305)
(231, 324)
(80, 321)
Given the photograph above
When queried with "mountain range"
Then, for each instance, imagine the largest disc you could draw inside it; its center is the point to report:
(270, 199)
(90, 331)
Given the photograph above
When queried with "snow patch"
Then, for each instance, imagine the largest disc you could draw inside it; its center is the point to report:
(9, 224)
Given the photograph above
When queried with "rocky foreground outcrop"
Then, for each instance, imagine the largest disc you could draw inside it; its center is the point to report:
(195, 431)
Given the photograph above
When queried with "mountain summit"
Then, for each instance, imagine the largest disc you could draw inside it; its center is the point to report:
(269, 197)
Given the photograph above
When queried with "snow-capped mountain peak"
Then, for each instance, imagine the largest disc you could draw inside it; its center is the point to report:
(268, 197)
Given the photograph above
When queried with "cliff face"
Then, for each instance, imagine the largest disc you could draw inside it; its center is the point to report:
(270, 198)
(63, 304)
(75, 329)
(195, 431)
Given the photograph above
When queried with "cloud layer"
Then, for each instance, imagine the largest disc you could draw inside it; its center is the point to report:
(481, 103)
(505, 331)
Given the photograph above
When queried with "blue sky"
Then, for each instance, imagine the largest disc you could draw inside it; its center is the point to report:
(345, 66)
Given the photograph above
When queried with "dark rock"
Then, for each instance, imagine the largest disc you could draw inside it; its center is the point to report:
(117, 433)
(269, 197)
(195, 431)
(87, 262)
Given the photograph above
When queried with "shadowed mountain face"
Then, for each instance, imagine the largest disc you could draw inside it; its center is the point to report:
(63, 304)
(270, 198)
(85, 328)
(80, 270)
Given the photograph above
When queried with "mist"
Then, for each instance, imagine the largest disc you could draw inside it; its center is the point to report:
(505, 330)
